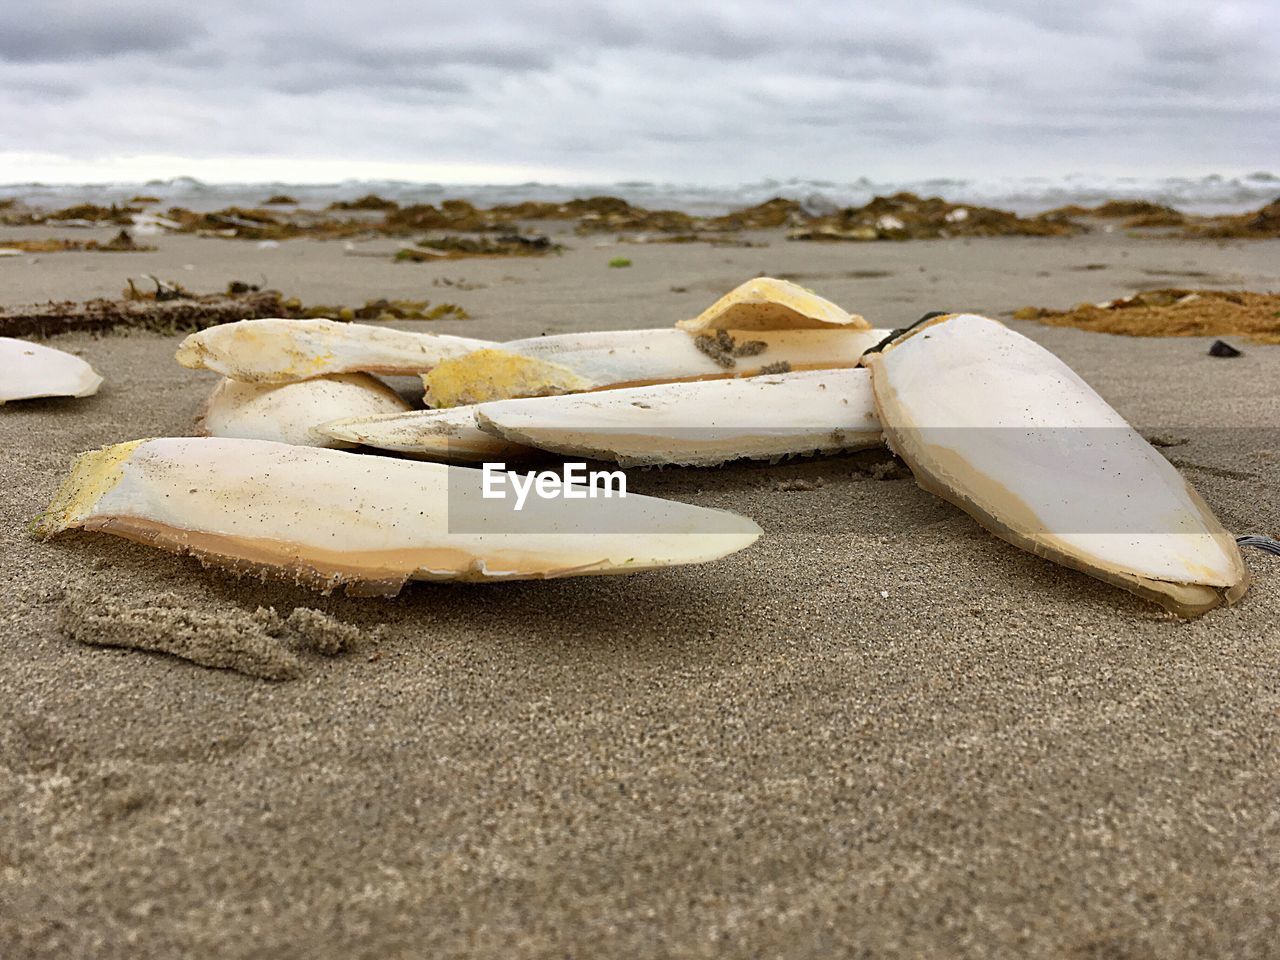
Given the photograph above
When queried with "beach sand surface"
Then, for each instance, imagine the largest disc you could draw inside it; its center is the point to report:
(880, 732)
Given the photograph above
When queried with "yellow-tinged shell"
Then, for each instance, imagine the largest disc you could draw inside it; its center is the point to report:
(765, 303)
(283, 351)
(325, 518)
(497, 374)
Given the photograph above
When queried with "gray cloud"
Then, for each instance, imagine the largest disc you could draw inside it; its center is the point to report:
(57, 31)
(678, 89)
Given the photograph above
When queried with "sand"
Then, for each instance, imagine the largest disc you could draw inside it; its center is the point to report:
(879, 732)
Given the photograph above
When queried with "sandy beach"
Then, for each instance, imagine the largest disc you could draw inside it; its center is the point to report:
(879, 732)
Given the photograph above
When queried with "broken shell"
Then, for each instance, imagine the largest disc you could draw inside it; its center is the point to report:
(576, 362)
(430, 434)
(282, 351)
(30, 370)
(293, 412)
(768, 304)
(993, 422)
(699, 424)
(327, 518)
(496, 374)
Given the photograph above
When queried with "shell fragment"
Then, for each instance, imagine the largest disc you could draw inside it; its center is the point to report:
(282, 351)
(30, 370)
(768, 304)
(699, 424)
(450, 434)
(991, 421)
(328, 518)
(577, 362)
(292, 412)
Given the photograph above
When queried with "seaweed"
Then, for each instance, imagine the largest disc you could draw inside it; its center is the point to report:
(1173, 312)
(905, 216)
(370, 201)
(454, 247)
(122, 242)
(1255, 225)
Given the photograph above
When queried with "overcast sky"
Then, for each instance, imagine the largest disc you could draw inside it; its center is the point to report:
(684, 90)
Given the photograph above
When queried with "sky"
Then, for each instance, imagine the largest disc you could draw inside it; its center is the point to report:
(665, 90)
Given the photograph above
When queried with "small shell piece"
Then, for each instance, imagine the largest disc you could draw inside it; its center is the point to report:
(699, 424)
(576, 362)
(327, 518)
(29, 370)
(282, 351)
(991, 421)
(293, 412)
(768, 304)
(450, 435)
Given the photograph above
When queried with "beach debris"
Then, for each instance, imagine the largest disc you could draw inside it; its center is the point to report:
(778, 212)
(991, 421)
(575, 362)
(1173, 312)
(326, 518)
(383, 309)
(279, 350)
(122, 242)
(248, 643)
(450, 435)
(703, 423)
(617, 262)
(1259, 542)
(1220, 348)
(30, 370)
(294, 412)
(370, 201)
(164, 291)
(1134, 213)
(905, 216)
(765, 303)
(165, 316)
(453, 247)
(1256, 225)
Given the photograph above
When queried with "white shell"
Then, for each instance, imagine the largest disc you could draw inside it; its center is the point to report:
(282, 351)
(993, 422)
(327, 518)
(575, 362)
(292, 412)
(29, 370)
(699, 424)
(449, 434)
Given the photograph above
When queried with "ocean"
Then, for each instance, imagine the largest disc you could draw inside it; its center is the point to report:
(1212, 194)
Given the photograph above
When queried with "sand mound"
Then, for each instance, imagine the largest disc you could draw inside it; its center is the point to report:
(247, 643)
(1173, 313)
(260, 644)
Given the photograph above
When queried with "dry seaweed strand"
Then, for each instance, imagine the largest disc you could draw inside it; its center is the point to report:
(1173, 313)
